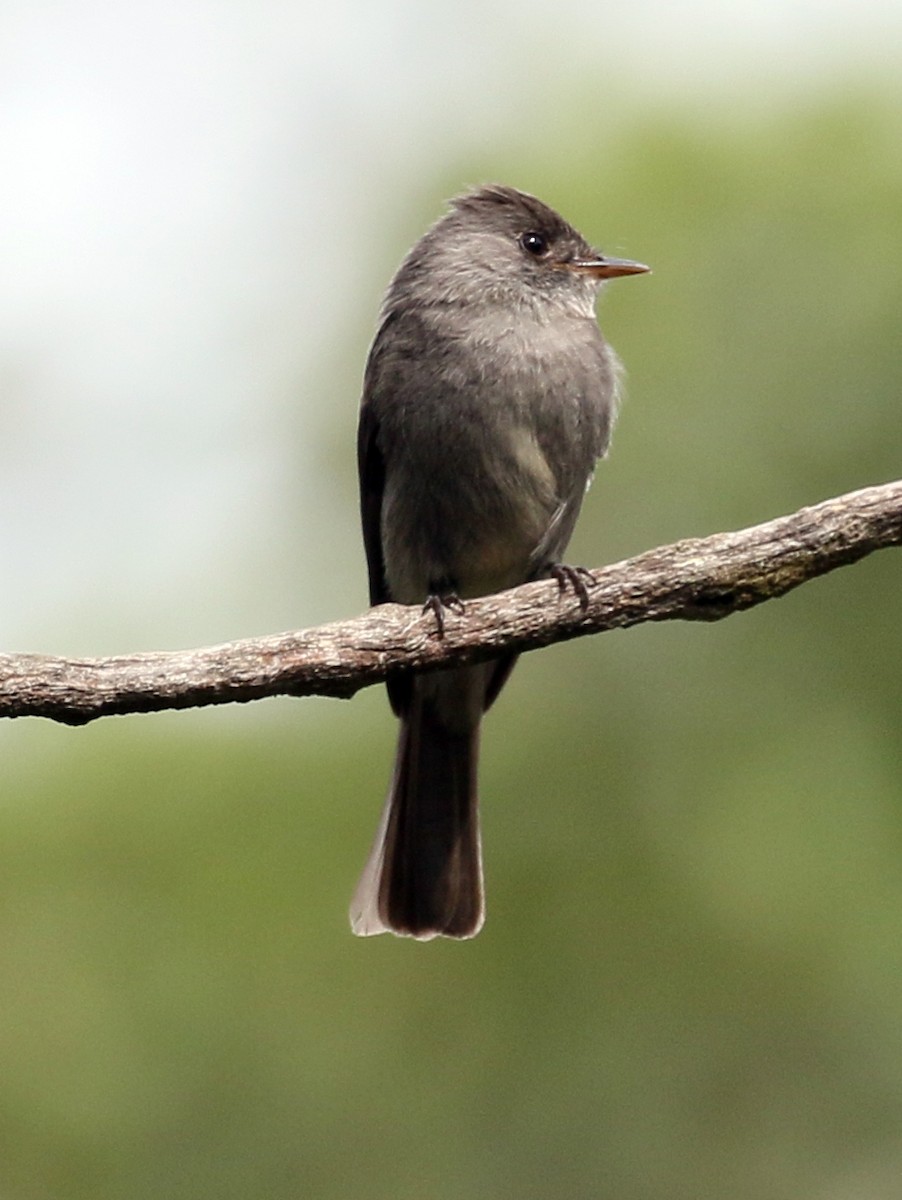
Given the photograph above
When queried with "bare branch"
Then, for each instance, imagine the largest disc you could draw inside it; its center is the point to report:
(700, 579)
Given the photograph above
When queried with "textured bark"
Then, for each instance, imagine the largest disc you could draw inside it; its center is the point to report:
(700, 579)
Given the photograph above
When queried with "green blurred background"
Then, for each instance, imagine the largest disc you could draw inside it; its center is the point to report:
(689, 984)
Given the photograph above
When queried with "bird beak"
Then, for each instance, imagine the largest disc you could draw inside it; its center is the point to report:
(606, 268)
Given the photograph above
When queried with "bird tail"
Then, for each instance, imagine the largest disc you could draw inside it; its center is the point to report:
(423, 878)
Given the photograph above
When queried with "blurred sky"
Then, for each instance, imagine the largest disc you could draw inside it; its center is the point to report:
(195, 206)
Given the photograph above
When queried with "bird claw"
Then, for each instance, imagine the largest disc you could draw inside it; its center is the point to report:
(437, 603)
(576, 578)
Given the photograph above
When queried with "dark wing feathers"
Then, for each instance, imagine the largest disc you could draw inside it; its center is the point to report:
(371, 469)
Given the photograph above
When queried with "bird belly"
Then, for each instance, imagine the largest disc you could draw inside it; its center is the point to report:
(477, 527)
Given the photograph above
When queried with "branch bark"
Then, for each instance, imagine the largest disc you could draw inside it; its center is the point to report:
(699, 579)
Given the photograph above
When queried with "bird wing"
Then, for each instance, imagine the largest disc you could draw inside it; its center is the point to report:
(371, 471)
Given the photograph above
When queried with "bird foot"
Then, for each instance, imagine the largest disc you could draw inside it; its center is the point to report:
(576, 578)
(438, 602)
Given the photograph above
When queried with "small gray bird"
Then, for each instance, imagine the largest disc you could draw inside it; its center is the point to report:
(488, 397)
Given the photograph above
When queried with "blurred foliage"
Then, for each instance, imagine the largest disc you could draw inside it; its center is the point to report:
(689, 982)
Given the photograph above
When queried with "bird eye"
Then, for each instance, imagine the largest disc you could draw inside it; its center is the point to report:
(534, 243)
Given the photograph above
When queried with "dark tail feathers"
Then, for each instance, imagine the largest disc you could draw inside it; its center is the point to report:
(424, 875)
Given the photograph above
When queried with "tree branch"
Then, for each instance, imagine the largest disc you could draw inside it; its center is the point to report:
(700, 579)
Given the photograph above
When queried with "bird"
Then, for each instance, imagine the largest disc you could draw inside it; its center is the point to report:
(489, 395)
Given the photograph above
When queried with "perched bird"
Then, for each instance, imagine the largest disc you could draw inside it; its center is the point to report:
(488, 397)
